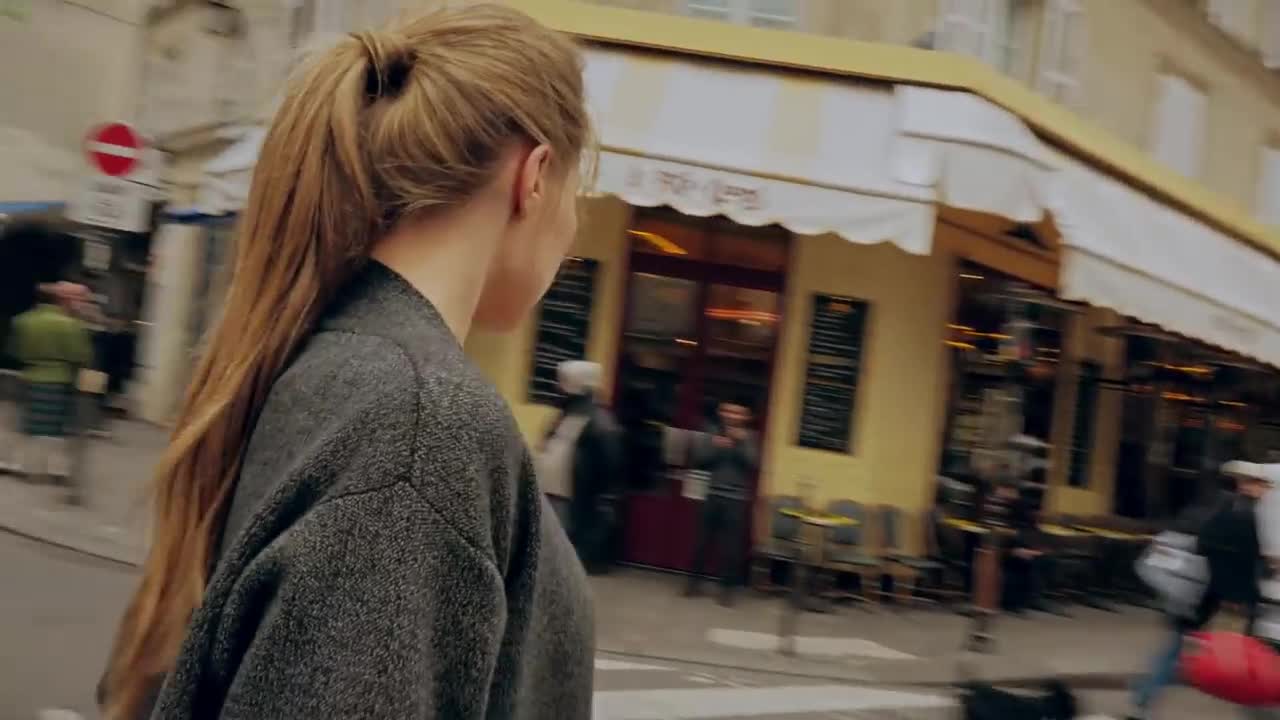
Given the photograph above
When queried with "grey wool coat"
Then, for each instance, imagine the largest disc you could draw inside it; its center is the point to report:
(387, 553)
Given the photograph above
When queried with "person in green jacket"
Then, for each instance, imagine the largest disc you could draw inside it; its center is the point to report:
(52, 345)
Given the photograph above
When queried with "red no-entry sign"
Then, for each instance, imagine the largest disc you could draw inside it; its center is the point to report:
(114, 149)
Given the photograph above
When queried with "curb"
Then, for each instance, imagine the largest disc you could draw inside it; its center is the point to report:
(76, 548)
(1080, 681)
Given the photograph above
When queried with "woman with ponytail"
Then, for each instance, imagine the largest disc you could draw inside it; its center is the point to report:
(346, 520)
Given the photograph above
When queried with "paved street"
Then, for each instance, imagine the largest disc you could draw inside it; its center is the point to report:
(661, 655)
(58, 611)
(57, 615)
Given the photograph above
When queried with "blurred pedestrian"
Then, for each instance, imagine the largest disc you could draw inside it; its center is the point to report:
(1026, 564)
(729, 451)
(1226, 530)
(52, 345)
(347, 524)
(580, 466)
(32, 252)
(86, 306)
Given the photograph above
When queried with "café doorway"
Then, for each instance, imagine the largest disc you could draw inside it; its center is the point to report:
(702, 322)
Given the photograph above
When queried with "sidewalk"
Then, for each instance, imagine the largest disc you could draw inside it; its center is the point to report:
(643, 614)
(111, 521)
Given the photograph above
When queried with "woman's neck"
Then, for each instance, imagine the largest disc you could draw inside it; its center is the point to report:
(447, 260)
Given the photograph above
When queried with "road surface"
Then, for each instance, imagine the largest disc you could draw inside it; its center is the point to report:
(58, 610)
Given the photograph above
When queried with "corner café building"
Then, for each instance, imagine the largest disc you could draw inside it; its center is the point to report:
(792, 220)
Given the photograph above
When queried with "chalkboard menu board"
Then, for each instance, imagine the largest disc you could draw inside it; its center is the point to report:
(564, 319)
(1082, 429)
(831, 376)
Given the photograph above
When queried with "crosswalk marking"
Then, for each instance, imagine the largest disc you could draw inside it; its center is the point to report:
(697, 703)
(607, 664)
(826, 646)
(678, 692)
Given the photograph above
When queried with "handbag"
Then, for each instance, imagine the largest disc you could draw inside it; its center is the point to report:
(1232, 667)
(1178, 574)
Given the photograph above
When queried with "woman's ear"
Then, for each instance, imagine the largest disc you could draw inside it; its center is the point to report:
(531, 180)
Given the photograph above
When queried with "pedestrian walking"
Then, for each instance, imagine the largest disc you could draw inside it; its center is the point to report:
(32, 253)
(347, 524)
(1226, 532)
(730, 452)
(52, 345)
(581, 465)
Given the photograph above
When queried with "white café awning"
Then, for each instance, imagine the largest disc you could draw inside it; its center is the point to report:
(974, 154)
(1125, 251)
(1121, 249)
(756, 145)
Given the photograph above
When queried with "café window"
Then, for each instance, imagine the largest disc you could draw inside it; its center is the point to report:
(718, 241)
(984, 328)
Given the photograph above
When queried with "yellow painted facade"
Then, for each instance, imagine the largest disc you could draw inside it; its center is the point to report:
(506, 359)
(1244, 97)
(902, 392)
(901, 406)
(1081, 344)
(1129, 43)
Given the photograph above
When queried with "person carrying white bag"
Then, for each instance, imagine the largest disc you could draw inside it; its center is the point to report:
(1210, 557)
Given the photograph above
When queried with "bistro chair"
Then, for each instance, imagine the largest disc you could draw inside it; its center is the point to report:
(914, 572)
(951, 547)
(1075, 559)
(784, 543)
(947, 546)
(846, 552)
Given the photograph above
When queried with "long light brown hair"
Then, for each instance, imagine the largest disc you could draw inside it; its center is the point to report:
(387, 125)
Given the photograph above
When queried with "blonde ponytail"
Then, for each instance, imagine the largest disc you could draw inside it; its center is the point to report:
(386, 125)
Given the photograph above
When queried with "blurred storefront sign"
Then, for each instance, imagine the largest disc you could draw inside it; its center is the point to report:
(112, 203)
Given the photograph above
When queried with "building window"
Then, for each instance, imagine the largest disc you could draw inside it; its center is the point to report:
(315, 17)
(983, 337)
(980, 29)
(1268, 203)
(1063, 49)
(1178, 124)
(773, 14)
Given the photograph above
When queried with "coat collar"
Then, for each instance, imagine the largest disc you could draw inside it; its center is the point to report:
(379, 301)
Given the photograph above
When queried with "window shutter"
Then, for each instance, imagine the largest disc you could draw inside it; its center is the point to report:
(976, 28)
(1063, 50)
(773, 14)
(1177, 137)
(1268, 203)
(712, 9)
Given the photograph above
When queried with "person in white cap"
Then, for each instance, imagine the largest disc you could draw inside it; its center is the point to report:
(1226, 531)
(579, 467)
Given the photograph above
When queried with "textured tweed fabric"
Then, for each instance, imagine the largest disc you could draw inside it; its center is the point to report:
(388, 553)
